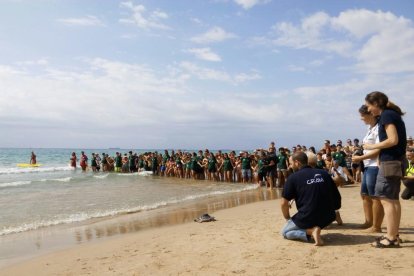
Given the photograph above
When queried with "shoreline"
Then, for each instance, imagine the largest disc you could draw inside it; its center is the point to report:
(19, 247)
(243, 240)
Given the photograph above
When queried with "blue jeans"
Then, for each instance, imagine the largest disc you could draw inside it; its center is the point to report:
(291, 232)
(247, 173)
(368, 180)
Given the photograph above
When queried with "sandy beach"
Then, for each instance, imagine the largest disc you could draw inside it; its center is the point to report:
(244, 240)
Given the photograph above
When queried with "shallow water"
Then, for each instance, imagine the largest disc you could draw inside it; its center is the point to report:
(54, 194)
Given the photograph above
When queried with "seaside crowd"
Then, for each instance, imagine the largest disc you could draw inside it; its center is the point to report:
(383, 161)
(388, 161)
(268, 167)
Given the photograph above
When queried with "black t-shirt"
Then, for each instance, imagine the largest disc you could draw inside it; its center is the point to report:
(397, 152)
(272, 157)
(316, 197)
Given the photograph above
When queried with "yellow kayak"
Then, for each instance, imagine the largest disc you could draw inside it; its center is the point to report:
(26, 165)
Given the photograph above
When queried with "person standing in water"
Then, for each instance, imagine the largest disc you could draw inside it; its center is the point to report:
(83, 161)
(32, 159)
(73, 160)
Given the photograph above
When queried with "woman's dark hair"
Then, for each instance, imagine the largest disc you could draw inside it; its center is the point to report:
(312, 149)
(381, 100)
(364, 110)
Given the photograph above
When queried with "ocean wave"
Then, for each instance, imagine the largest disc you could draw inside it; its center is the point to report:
(63, 179)
(34, 170)
(79, 217)
(144, 173)
(28, 182)
(101, 176)
(15, 184)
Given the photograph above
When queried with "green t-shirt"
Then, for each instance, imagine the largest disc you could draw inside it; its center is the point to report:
(118, 161)
(211, 163)
(246, 163)
(340, 158)
(227, 164)
(320, 164)
(260, 166)
(282, 162)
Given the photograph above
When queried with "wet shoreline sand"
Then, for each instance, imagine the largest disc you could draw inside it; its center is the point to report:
(244, 240)
(18, 247)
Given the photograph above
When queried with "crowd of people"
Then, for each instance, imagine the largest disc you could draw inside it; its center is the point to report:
(388, 159)
(383, 160)
(269, 167)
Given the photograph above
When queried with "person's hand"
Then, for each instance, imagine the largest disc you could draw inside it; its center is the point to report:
(356, 158)
(368, 146)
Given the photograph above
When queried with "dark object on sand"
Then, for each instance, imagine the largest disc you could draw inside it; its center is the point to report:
(205, 218)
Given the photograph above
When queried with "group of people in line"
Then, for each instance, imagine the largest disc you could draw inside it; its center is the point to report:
(269, 167)
(388, 160)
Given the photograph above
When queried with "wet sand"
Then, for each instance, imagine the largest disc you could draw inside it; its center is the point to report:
(244, 240)
(22, 246)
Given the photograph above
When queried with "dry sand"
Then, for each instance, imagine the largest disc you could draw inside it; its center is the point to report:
(244, 240)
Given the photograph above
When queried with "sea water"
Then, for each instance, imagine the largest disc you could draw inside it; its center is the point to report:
(56, 194)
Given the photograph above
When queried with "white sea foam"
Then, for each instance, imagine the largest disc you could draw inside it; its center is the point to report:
(101, 176)
(15, 184)
(34, 170)
(79, 217)
(64, 179)
(143, 173)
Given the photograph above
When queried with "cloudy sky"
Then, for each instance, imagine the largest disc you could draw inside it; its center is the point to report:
(193, 74)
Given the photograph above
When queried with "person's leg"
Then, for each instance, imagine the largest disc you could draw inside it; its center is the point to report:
(397, 207)
(366, 199)
(315, 232)
(368, 211)
(291, 232)
(392, 219)
(388, 189)
(338, 218)
(378, 215)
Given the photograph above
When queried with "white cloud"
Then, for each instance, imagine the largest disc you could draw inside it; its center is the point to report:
(295, 68)
(107, 103)
(39, 62)
(204, 73)
(310, 34)
(389, 40)
(87, 21)
(243, 77)
(205, 54)
(248, 4)
(380, 42)
(215, 34)
(144, 19)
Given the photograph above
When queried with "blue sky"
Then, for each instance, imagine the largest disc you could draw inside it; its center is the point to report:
(195, 74)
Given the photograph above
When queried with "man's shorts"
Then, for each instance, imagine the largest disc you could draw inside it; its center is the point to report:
(247, 173)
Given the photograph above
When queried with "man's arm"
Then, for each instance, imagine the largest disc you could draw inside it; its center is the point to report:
(284, 206)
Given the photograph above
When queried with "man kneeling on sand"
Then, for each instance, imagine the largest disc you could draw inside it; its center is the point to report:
(316, 197)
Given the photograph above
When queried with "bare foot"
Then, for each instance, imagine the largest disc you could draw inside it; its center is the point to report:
(338, 218)
(373, 230)
(316, 234)
(365, 225)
